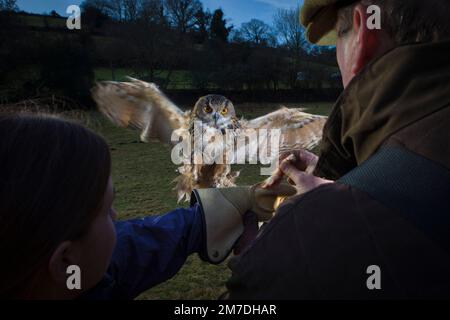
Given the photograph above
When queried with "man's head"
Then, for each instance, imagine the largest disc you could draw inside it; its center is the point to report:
(344, 23)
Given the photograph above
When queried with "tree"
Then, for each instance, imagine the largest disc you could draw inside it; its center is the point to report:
(203, 64)
(293, 35)
(132, 9)
(93, 17)
(11, 50)
(102, 6)
(55, 14)
(66, 68)
(219, 29)
(202, 25)
(182, 13)
(129, 10)
(257, 32)
(152, 11)
(8, 5)
(291, 31)
(114, 9)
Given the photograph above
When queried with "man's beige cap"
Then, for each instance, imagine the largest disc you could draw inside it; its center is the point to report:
(319, 17)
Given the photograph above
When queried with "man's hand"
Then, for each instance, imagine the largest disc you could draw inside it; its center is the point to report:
(297, 166)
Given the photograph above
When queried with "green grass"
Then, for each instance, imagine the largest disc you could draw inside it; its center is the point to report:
(105, 74)
(143, 175)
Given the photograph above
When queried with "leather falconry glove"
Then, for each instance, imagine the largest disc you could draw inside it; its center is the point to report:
(223, 211)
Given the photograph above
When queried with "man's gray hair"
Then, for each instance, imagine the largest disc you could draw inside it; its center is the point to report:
(406, 21)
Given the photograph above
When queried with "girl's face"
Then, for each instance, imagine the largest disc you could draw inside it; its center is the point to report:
(96, 247)
(91, 254)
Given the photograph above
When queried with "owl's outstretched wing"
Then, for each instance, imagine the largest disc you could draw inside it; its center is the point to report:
(299, 130)
(140, 105)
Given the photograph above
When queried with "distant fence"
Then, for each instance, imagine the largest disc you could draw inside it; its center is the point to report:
(188, 97)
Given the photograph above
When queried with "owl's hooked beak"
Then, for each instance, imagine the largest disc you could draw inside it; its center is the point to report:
(216, 117)
(221, 123)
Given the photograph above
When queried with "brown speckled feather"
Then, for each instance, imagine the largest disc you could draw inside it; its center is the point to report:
(140, 105)
(298, 129)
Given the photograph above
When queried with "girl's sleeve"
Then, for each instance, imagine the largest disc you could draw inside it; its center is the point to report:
(150, 251)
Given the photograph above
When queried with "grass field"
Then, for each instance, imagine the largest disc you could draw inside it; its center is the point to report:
(143, 175)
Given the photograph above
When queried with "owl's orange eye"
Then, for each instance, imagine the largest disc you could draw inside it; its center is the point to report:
(224, 111)
(208, 109)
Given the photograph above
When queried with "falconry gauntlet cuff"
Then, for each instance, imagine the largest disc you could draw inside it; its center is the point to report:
(223, 211)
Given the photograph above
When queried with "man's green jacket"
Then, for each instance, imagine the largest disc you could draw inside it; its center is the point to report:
(321, 244)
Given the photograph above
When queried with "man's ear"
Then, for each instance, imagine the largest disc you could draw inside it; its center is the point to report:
(366, 43)
(65, 255)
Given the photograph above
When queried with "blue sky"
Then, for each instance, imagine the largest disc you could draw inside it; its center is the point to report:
(239, 11)
(236, 11)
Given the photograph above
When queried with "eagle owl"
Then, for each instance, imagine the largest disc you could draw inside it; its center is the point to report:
(143, 106)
